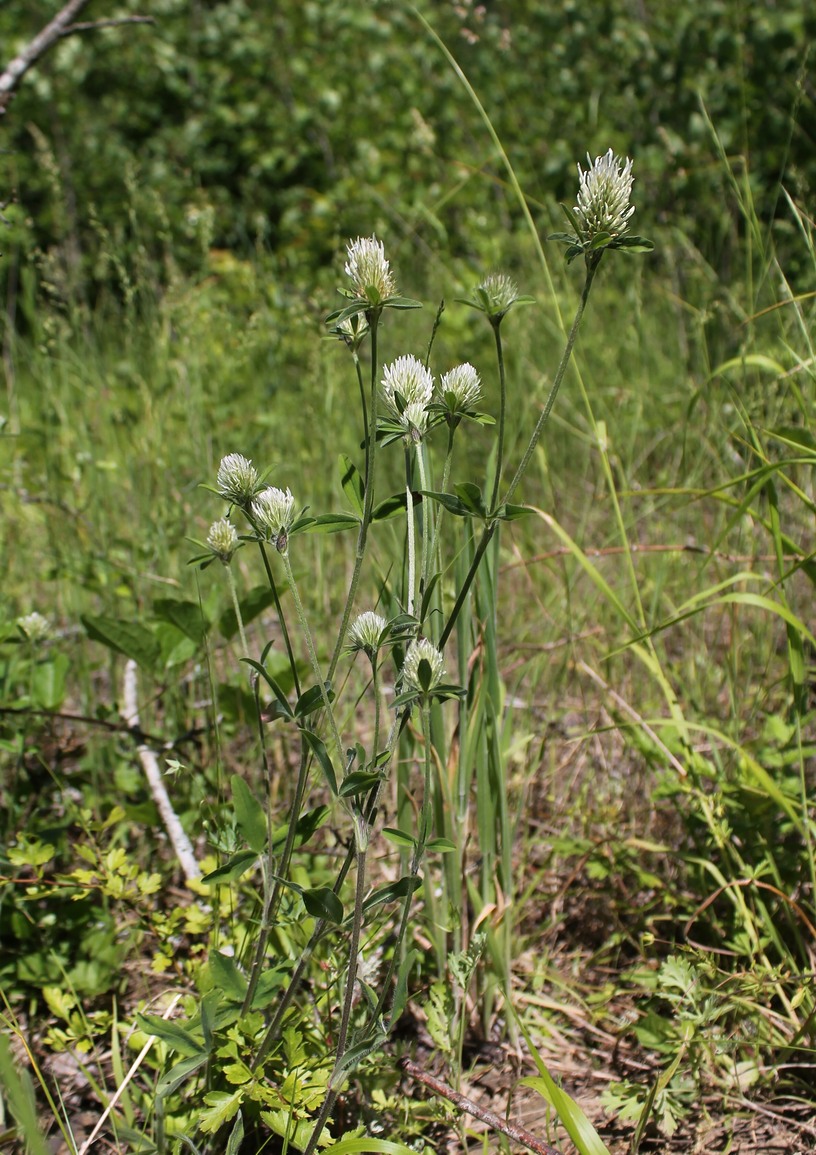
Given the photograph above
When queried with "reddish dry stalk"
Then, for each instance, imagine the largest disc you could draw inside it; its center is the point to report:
(511, 1130)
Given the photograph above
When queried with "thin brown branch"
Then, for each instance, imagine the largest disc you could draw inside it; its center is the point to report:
(636, 547)
(511, 1130)
(16, 70)
(63, 24)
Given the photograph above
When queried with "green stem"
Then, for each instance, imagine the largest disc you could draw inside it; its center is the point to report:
(416, 862)
(592, 262)
(409, 511)
(307, 634)
(284, 629)
(236, 605)
(321, 926)
(368, 500)
(427, 545)
(446, 469)
(351, 982)
(496, 323)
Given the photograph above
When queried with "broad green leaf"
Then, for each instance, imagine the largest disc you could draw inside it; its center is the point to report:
(322, 902)
(318, 748)
(354, 1056)
(578, 1127)
(392, 891)
(221, 1107)
(19, 1095)
(749, 361)
(400, 837)
(358, 782)
(440, 846)
(185, 616)
(334, 523)
(312, 699)
(48, 682)
(209, 1006)
(226, 977)
(390, 507)
(171, 1033)
(128, 638)
(308, 823)
(252, 604)
(353, 485)
(364, 1144)
(236, 1136)
(249, 814)
(232, 869)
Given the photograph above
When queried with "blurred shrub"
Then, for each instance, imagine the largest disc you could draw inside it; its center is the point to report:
(231, 124)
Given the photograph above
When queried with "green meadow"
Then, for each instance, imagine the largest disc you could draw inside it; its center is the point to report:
(396, 758)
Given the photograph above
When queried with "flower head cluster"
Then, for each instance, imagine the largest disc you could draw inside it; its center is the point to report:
(464, 386)
(423, 668)
(366, 633)
(273, 514)
(603, 197)
(407, 391)
(368, 270)
(238, 479)
(36, 627)
(223, 539)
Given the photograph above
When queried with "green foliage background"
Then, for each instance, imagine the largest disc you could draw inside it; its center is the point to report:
(294, 125)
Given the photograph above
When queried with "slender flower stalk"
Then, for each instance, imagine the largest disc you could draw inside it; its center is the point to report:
(368, 499)
(427, 544)
(496, 325)
(592, 261)
(411, 531)
(307, 635)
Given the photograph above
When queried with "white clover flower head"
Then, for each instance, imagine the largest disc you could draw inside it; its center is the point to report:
(366, 631)
(414, 420)
(603, 197)
(464, 383)
(420, 651)
(273, 514)
(36, 627)
(502, 293)
(237, 479)
(408, 377)
(368, 270)
(223, 539)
